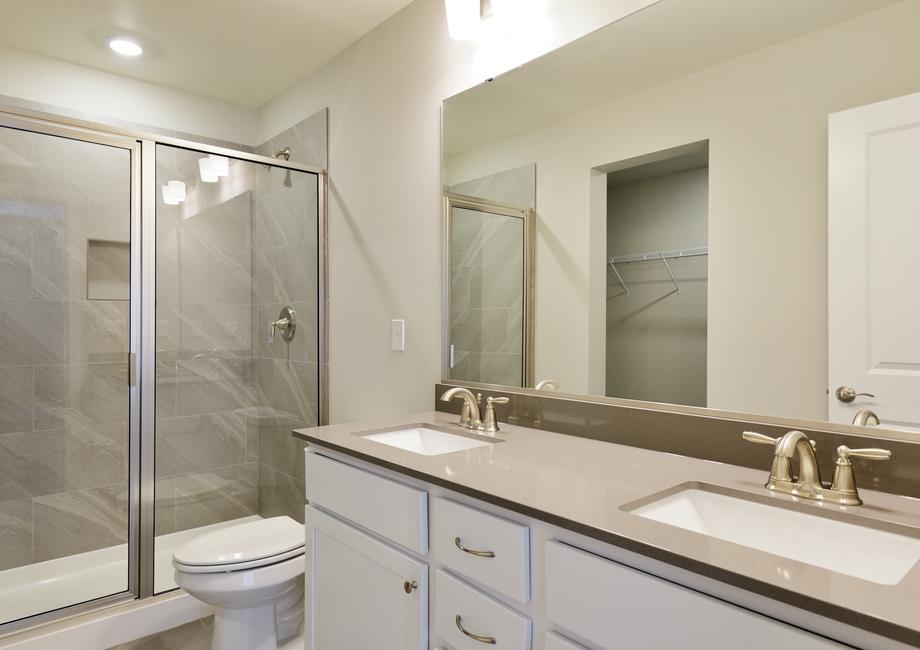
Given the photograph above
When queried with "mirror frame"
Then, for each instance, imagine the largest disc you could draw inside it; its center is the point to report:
(452, 201)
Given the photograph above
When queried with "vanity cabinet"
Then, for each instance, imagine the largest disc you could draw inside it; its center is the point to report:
(498, 579)
(489, 550)
(361, 592)
(468, 619)
(615, 606)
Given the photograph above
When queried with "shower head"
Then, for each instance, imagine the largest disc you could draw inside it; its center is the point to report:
(284, 153)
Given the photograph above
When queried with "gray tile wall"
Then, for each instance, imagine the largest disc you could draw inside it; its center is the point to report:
(206, 393)
(63, 371)
(285, 232)
(487, 280)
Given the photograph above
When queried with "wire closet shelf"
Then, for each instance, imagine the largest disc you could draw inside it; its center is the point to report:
(663, 256)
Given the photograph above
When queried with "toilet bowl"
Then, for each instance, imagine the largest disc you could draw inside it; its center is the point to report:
(252, 574)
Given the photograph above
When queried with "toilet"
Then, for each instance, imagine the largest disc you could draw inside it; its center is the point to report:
(252, 573)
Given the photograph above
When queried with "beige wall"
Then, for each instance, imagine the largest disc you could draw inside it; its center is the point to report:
(384, 95)
(656, 335)
(765, 115)
(84, 92)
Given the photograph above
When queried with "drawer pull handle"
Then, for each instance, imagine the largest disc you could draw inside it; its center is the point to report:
(475, 637)
(472, 551)
(409, 587)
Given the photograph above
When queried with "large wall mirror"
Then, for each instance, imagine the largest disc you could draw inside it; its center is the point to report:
(726, 207)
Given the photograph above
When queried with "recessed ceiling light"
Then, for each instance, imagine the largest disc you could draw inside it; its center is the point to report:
(125, 46)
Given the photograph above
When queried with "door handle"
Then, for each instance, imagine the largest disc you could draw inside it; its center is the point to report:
(847, 394)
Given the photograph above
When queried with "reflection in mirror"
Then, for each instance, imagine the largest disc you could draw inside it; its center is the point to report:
(724, 205)
(487, 264)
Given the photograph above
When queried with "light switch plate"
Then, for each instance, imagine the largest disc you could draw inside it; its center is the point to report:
(398, 334)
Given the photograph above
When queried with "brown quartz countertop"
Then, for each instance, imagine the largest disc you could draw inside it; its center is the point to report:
(582, 484)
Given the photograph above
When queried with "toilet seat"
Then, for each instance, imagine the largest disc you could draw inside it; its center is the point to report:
(244, 546)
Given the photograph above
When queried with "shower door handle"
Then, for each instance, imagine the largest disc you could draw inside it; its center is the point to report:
(132, 369)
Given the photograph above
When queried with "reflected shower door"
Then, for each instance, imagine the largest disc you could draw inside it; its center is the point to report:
(488, 293)
(65, 399)
(235, 245)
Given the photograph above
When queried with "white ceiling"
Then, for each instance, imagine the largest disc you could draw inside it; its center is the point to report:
(664, 41)
(241, 51)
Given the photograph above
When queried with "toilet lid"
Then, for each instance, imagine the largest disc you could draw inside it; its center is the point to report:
(254, 540)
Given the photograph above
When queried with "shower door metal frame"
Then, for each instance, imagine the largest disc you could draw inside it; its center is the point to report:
(142, 358)
(526, 215)
(133, 146)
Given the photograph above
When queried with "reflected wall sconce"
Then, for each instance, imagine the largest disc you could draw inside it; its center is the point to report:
(212, 168)
(173, 193)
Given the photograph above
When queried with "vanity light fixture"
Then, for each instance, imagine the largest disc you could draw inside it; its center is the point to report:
(174, 193)
(208, 170)
(464, 17)
(125, 46)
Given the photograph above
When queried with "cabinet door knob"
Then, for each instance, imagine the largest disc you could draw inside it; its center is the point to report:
(472, 551)
(409, 587)
(475, 637)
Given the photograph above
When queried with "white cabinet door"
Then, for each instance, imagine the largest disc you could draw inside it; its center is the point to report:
(361, 593)
(873, 270)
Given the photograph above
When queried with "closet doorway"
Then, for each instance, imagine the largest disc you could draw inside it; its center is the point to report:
(657, 276)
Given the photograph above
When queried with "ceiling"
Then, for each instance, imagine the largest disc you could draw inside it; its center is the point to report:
(660, 43)
(242, 51)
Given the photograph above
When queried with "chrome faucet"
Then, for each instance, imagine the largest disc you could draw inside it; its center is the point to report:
(469, 414)
(796, 444)
(865, 418)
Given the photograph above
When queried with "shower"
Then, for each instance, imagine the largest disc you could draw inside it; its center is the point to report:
(141, 402)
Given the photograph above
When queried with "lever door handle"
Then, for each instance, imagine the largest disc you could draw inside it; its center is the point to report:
(847, 394)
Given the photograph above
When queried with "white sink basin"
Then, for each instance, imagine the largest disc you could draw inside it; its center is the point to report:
(867, 553)
(428, 442)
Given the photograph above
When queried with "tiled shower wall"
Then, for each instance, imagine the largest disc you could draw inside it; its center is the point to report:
(206, 401)
(285, 256)
(486, 280)
(63, 370)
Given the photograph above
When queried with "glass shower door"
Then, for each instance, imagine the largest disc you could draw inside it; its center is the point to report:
(236, 244)
(65, 399)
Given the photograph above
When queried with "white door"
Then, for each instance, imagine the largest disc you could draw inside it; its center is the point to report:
(874, 260)
(361, 593)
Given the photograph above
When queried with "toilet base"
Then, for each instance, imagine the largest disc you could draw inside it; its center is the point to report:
(245, 629)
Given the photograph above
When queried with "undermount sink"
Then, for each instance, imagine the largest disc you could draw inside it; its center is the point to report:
(427, 441)
(860, 551)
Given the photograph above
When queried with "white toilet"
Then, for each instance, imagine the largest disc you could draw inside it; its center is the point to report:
(253, 574)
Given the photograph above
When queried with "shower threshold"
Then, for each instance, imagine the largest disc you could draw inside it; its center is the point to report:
(52, 584)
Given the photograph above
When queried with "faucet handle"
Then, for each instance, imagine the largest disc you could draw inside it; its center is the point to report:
(871, 453)
(844, 484)
(759, 438)
(489, 421)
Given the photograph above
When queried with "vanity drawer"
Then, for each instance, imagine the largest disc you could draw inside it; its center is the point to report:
(616, 606)
(479, 615)
(392, 510)
(497, 551)
(555, 642)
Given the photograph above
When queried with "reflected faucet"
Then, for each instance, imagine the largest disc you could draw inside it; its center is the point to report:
(547, 384)
(865, 418)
